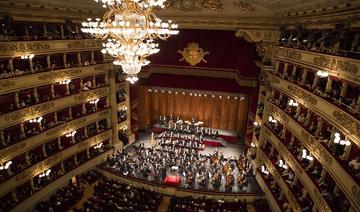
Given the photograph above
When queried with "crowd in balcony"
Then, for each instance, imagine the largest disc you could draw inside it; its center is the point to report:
(40, 181)
(46, 150)
(25, 31)
(311, 165)
(274, 188)
(206, 204)
(16, 133)
(17, 66)
(341, 93)
(328, 135)
(342, 40)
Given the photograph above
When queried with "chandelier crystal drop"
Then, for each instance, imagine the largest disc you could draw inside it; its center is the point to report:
(130, 28)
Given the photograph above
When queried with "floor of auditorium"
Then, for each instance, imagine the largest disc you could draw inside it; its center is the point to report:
(229, 151)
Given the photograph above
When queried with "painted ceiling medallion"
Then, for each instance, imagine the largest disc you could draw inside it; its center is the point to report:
(193, 54)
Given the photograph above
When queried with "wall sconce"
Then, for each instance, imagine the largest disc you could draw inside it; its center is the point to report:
(322, 74)
(293, 103)
(98, 146)
(36, 120)
(272, 119)
(263, 170)
(95, 101)
(45, 173)
(27, 56)
(282, 164)
(71, 134)
(252, 144)
(65, 82)
(6, 165)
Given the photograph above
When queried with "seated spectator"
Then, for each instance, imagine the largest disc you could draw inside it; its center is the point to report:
(354, 165)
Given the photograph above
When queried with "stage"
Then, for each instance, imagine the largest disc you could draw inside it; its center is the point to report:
(222, 140)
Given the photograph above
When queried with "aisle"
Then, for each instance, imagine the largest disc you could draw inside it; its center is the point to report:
(164, 204)
(89, 191)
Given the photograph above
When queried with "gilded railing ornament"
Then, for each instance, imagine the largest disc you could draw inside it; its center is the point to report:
(265, 49)
(5, 84)
(291, 54)
(193, 54)
(302, 94)
(335, 64)
(324, 154)
(244, 6)
(318, 198)
(60, 74)
(356, 192)
(90, 94)
(66, 127)
(346, 121)
(10, 149)
(29, 111)
(84, 44)
(23, 47)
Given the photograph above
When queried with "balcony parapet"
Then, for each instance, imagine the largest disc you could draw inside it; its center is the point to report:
(341, 67)
(34, 111)
(347, 183)
(46, 164)
(23, 146)
(270, 198)
(18, 48)
(277, 176)
(315, 194)
(12, 84)
(339, 118)
(53, 186)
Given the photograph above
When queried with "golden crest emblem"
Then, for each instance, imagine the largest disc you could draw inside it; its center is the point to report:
(193, 54)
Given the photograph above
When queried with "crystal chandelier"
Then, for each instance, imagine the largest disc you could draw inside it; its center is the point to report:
(130, 28)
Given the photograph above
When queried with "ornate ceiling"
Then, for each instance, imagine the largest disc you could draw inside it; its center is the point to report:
(209, 14)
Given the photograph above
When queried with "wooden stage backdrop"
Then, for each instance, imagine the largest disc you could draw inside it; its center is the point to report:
(228, 114)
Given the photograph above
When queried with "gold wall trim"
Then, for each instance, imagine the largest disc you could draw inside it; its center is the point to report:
(315, 194)
(336, 116)
(347, 184)
(200, 72)
(28, 113)
(179, 192)
(58, 183)
(46, 164)
(342, 67)
(33, 80)
(23, 146)
(258, 35)
(18, 48)
(277, 176)
(269, 197)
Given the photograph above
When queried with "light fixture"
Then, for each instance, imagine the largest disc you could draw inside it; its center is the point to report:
(95, 101)
(45, 173)
(293, 103)
(130, 28)
(322, 74)
(27, 56)
(36, 120)
(71, 134)
(6, 165)
(98, 146)
(65, 82)
(252, 144)
(272, 120)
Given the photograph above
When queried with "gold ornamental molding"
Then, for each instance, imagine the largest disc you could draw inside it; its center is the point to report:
(46, 164)
(269, 196)
(346, 183)
(258, 35)
(35, 111)
(336, 116)
(315, 194)
(58, 183)
(200, 72)
(14, 150)
(38, 79)
(193, 54)
(277, 176)
(341, 67)
(18, 48)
